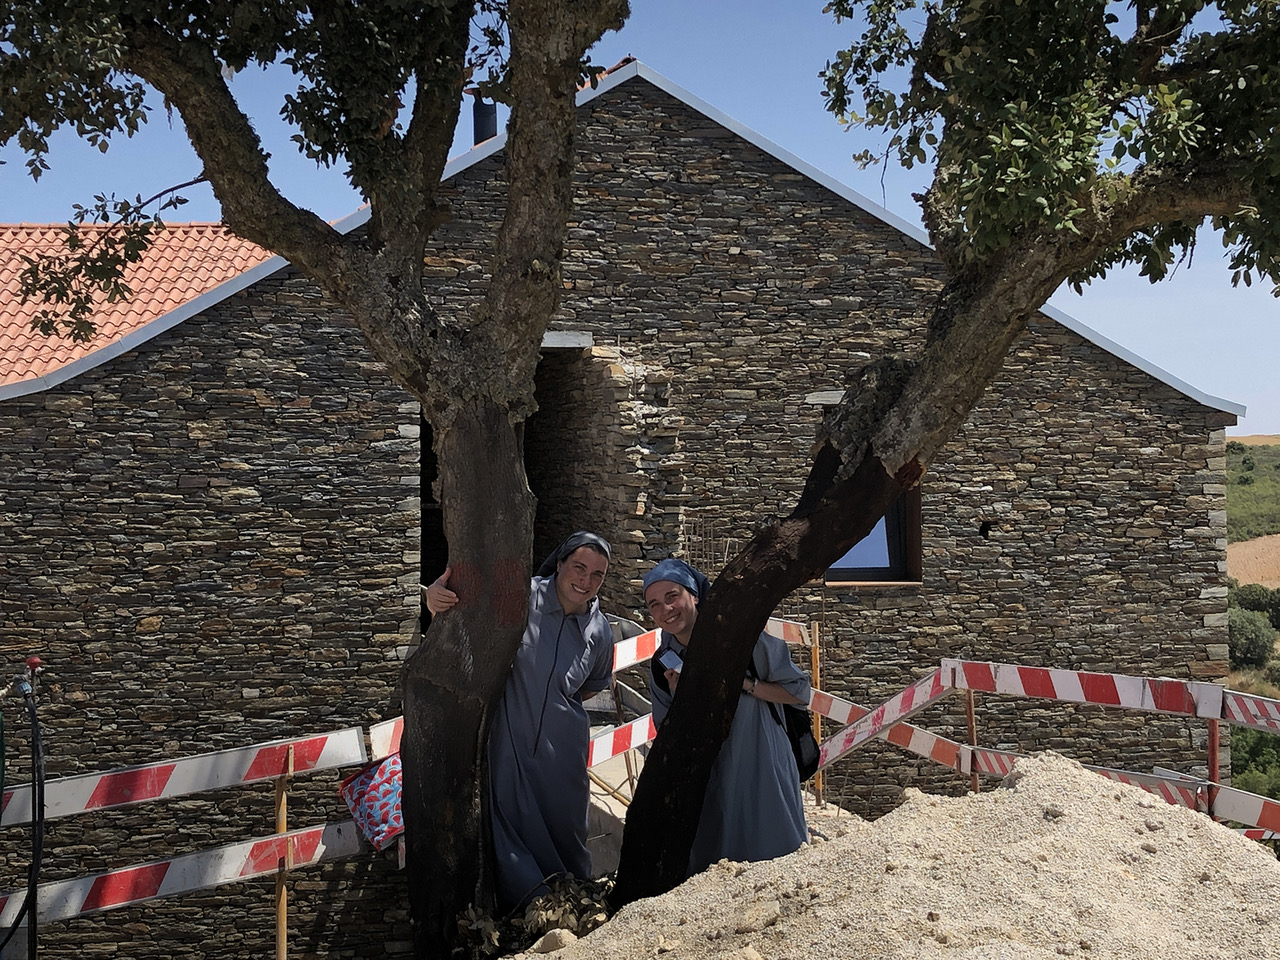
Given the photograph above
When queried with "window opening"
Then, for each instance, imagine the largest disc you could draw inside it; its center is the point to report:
(891, 552)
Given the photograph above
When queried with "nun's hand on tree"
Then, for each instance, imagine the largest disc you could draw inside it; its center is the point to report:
(439, 597)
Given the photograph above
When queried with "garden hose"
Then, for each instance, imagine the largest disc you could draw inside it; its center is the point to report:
(23, 685)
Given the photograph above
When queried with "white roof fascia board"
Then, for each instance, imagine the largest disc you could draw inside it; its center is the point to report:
(1143, 364)
(493, 145)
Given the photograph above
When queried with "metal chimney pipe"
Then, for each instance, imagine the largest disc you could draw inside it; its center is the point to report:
(484, 119)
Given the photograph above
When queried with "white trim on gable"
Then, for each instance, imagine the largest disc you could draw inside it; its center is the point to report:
(495, 144)
(1146, 366)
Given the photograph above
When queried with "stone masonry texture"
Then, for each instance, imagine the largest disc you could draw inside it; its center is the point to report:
(214, 539)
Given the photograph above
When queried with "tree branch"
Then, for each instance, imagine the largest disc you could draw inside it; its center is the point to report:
(548, 41)
(189, 76)
(424, 150)
(1153, 196)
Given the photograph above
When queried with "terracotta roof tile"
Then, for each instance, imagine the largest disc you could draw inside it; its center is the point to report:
(184, 261)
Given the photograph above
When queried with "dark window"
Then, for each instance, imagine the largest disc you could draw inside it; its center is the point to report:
(890, 552)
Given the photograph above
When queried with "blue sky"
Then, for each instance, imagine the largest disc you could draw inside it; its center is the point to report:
(758, 61)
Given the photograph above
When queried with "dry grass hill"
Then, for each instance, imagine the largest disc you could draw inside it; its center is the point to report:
(1256, 560)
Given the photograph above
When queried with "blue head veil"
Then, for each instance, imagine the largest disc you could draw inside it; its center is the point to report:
(677, 571)
(582, 538)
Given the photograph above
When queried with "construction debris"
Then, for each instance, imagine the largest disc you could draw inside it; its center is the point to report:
(1055, 862)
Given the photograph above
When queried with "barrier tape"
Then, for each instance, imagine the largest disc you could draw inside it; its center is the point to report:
(910, 738)
(1184, 697)
(1248, 710)
(1261, 834)
(384, 738)
(1248, 808)
(632, 650)
(64, 899)
(993, 763)
(902, 705)
(175, 778)
(617, 740)
(1180, 792)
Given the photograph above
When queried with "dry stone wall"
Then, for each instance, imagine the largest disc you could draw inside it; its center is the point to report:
(1078, 521)
(212, 541)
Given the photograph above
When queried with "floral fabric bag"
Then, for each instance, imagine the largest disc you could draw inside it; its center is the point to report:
(373, 796)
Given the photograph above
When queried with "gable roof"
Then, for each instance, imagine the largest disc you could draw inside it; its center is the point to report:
(184, 262)
(622, 73)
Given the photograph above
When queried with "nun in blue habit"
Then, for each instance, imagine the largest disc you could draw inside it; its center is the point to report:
(538, 788)
(752, 809)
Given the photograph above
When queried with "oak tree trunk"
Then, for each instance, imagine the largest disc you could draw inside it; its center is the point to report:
(454, 680)
(663, 816)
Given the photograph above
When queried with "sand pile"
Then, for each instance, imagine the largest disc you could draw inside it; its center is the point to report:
(1056, 862)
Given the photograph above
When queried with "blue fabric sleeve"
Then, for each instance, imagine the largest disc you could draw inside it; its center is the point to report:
(774, 664)
(601, 641)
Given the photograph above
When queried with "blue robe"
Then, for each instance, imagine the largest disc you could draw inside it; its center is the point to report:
(538, 789)
(752, 809)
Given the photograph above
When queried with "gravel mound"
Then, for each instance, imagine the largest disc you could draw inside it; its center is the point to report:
(1055, 862)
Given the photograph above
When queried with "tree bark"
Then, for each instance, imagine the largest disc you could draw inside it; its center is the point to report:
(456, 677)
(479, 387)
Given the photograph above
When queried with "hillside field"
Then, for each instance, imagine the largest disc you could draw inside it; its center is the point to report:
(1253, 488)
(1255, 561)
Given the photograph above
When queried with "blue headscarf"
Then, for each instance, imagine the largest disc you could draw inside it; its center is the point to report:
(582, 538)
(677, 571)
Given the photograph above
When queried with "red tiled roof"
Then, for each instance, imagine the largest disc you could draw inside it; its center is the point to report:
(184, 261)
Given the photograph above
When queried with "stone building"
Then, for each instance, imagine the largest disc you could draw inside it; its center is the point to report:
(215, 521)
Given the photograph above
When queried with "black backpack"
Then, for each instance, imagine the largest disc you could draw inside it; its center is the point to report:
(797, 724)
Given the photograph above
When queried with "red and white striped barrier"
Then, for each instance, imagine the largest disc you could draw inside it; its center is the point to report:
(384, 738)
(1247, 710)
(617, 740)
(1183, 697)
(1139, 693)
(632, 650)
(834, 708)
(993, 763)
(175, 778)
(1248, 808)
(1178, 791)
(910, 738)
(194, 871)
(1261, 834)
(902, 705)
